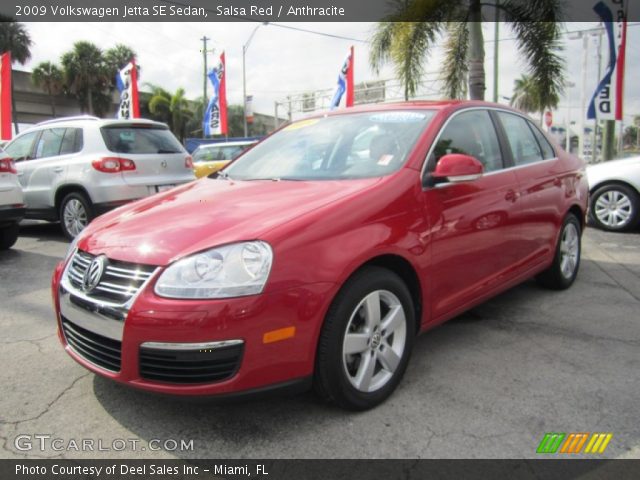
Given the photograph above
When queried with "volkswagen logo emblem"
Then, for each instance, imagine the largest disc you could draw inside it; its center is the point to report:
(163, 164)
(94, 273)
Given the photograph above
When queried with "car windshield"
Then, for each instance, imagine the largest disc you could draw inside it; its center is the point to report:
(218, 152)
(337, 147)
(140, 139)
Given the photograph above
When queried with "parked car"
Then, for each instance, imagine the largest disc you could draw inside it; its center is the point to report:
(212, 157)
(615, 194)
(73, 169)
(314, 263)
(11, 202)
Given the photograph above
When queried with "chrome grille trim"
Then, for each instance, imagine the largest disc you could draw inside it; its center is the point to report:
(119, 284)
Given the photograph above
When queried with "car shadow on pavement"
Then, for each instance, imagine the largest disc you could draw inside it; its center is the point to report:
(42, 231)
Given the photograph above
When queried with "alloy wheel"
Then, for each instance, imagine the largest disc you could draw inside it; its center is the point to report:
(374, 341)
(569, 250)
(75, 216)
(613, 208)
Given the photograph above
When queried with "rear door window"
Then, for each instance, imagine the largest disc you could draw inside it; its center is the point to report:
(49, 143)
(140, 140)
(547, 149)
(523, 143)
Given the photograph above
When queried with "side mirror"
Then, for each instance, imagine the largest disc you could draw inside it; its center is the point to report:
(456, 167)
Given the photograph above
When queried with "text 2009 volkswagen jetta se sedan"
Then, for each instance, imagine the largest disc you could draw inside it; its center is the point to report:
(317, 256)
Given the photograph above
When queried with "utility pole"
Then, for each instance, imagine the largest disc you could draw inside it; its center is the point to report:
(204, 82)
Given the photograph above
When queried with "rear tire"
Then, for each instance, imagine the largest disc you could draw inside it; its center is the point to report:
(366, 340)
(76, 211)
(9, 236)
(566, 263)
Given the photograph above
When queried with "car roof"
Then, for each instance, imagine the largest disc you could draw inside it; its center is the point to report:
(85, 120)
(411, 105)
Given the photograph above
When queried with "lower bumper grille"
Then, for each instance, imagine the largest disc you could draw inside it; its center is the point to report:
(101, 351)
(190, 366)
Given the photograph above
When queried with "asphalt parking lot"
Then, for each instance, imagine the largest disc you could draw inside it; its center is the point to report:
(488, 384)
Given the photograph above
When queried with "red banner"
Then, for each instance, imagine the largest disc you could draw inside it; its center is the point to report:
(134, 90)
(350, 94)
(5, 96)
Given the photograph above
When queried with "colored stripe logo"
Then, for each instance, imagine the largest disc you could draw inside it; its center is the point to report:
(554, 442)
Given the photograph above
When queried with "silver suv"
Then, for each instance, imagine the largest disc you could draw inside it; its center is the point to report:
(73, 169)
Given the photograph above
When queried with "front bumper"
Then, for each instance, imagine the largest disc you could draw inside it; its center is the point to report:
(263, 362)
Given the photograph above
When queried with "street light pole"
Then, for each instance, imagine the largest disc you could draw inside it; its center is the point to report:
(245, 47)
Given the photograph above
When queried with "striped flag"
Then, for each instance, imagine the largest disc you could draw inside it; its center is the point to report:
(607, 100)
(345, 82)
(127, 83)
(215, 117)
(5, 96)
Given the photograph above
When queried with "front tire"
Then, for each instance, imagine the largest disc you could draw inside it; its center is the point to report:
(75, 214)
(366, 340)
(566, 263)
(615, 208)
(9, 236)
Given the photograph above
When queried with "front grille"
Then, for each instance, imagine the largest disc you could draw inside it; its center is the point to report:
(190, 366)
(120, 280)
(101, 351)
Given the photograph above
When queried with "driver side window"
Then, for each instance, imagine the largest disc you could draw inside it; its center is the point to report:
(470, 133)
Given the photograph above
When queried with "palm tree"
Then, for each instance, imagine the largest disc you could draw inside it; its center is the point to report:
(528, 98)
(116, 58)
(48, 77)
(86, 75)
(406, 37)
(14, 38)
(173, 109)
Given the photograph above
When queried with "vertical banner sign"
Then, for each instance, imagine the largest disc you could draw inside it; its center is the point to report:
(345, 82)
(5, 96)
(215, 117)
(127, 83)
(606, 103)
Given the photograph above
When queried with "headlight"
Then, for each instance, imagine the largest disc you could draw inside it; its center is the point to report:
(228, 271)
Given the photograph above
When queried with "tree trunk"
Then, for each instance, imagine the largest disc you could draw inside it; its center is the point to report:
(53, 103)
(476, 52)
(13, 105)
(90, 100)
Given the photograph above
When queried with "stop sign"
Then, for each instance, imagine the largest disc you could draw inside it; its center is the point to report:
(548, 118)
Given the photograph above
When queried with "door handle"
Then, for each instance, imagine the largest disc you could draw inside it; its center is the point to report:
(58, 169)
(21, 174)
(511, 196)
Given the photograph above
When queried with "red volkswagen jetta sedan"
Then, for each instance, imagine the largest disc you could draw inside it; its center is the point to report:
(319, 255)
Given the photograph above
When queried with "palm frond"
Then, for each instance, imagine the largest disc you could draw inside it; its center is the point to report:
(537, 24)
(456, 68)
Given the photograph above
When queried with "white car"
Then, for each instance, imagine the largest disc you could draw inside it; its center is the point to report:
(615, 194)
(11, 202)
(73, 169)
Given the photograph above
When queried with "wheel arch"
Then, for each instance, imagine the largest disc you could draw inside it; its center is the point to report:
(64, 190)
(604, 183)
(406, 271)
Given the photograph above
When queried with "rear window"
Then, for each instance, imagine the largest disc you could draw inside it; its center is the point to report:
(140, 140)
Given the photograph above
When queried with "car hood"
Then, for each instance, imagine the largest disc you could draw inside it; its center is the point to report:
(206, 213)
